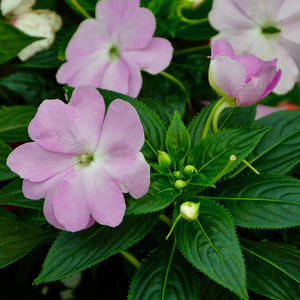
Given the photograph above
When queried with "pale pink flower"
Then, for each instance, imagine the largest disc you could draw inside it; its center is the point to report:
(246, 78)
(108, 52)
(81, 162)
(268, 29)
(264, 110)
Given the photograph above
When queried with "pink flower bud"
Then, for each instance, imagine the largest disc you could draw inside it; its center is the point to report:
(246, 78)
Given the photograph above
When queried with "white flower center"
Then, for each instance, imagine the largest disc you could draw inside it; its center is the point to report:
(113, 53)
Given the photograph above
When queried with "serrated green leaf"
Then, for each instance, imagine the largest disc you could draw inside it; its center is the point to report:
(272, 269)
(5, 172)
(73, 252)
(177, 140)
(12, 41)
(32, 86)
(17, 239)
(261, 201)
(209, 289)
(212, 247)
(12, 194)
(200, 179)
(211, 155)
(14, 122)
(161, 194)
(156, 279)
(279, 151)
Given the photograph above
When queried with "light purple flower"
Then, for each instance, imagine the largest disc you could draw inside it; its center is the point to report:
(81, 162)
(108, 52)
(246, 78)
(264, 110)
(268, 29)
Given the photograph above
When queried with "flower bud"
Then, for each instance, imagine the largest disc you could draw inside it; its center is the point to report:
(177, 174)
(164, 159)
(16, 7)
(189, 170)
(180, 184)
(193, 4)
(189, 211)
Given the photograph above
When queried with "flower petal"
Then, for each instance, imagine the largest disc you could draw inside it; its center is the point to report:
(132, 173)
(264, 110)
(221, 47)
(154, 58)
(219, 79)
(229, 18)
(121, 18)
(116, 77)
(34, 163)
(72, 128)
(88, 190)
(122, 131)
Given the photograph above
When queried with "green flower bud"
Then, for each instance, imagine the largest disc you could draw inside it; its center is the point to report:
(180, 184)
(177, 174)
(189, 170)
(164, 159)
(189, 211)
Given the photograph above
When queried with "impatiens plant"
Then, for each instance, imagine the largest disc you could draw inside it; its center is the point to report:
(154, 197)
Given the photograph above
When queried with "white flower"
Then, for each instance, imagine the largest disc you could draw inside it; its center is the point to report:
(268, 29)
(38, 23)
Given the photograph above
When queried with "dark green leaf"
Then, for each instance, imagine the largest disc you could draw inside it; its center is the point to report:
(12, 41)
(155, 279)
(73, 252)
(177, 140)
(212, 247)
(17, 239)
(272, 269)
(200, 179)
(32, 86)
(261, 201)
(279, 150)
(161, 193)
(211, 155)
(12, 194)
(14, 122)
(5, 172)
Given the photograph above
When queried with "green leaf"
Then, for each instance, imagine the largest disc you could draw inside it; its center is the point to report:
(12, 194)
(177, 140)
(164, 275)
(195, 32)
(211, 155)
(211, 245)
(73, 252)
(17, 239)
(261, 201)
(272, 269)
(5, 172)
(239, 116)
(200, 179)
(14, 122)
(12, 41)
(32, 86)
(210, 290)
(161, 194)
(279, 150)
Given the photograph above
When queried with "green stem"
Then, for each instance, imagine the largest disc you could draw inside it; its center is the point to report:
(215, 109)
(232, 159)
(250, 166)
(174, 79)
(168, 270)
(217, 114)
(131, 258)
(192, 49)
(173, 226)
(80, 9)
(186, 20)
(166, 220)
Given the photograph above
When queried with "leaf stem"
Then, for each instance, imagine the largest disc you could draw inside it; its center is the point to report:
(168, 270)
(232, 159)
(131, 258)
(165, 219)
(80, 9)
(179, 83)
(192, 49)
(250, 166)
(186, 20)
(173, 226)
